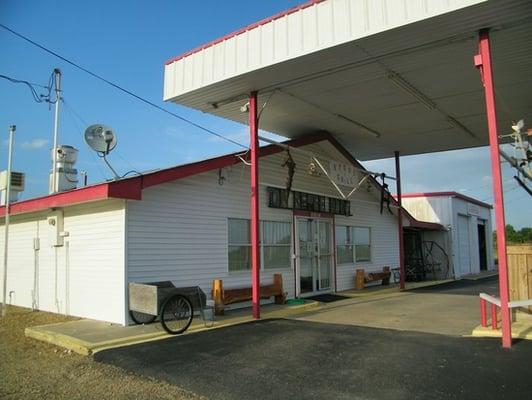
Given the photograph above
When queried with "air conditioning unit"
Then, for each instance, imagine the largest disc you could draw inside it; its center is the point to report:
(17, 181)
(17, 186)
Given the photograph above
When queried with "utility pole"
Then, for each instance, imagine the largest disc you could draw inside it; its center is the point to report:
(57, 73)
(12, 130)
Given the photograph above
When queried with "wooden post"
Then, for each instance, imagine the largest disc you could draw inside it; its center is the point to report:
(278, 288)
(217, 296)
(359, 279)
(386, 280)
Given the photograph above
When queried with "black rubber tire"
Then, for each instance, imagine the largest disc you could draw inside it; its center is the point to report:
(141, 318)
(176, 314)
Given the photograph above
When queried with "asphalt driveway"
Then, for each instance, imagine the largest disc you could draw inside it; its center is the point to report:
(450, 309)
(288, 359)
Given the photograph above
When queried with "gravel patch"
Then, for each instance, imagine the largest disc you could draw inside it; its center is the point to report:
(30, 369)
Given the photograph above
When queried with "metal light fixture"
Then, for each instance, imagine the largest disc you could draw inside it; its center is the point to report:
(411, 90)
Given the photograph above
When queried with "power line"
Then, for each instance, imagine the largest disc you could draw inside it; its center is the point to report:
(39, 98)
(116, 86)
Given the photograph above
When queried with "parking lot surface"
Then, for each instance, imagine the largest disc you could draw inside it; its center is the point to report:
(291, 359)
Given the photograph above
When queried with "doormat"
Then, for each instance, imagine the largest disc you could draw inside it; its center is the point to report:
(327, 297)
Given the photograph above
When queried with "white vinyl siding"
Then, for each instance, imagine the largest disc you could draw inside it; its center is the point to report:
(85, 276)
(179, 230)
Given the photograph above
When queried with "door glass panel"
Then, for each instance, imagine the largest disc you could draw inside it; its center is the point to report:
(305, 256)
(324, 233)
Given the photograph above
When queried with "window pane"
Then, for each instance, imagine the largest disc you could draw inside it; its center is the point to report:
(344, 254)
(362, 236)
(341, 235)
(276, 232)
(276, 257)
(239, 258)
(239, 232)
(363, 253)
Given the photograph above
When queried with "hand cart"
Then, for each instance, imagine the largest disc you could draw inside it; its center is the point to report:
(173, 305)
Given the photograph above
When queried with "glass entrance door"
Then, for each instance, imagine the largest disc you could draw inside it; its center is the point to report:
(314, 254)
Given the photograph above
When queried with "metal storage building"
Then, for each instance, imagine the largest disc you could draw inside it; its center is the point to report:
(468, 223)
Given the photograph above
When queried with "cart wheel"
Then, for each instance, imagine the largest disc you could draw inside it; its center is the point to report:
(141, 318)
(176, 314)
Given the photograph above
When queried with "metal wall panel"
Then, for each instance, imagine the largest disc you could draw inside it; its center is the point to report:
(322, 25)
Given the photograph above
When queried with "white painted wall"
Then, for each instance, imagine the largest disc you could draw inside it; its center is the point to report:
(446, 211)
(473, 213)
(89, 278)
(178, 231)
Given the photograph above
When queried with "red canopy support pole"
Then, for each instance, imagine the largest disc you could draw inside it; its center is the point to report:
(483, 63)
(255, 221)
(400, 221)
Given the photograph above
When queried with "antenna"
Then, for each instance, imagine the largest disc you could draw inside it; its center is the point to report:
(102, 140)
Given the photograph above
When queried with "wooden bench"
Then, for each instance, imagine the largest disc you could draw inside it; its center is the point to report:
(223, 297)
(361, 278)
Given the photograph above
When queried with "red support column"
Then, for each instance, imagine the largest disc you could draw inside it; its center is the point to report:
(483, 62)
(255, 221)
(400, 221)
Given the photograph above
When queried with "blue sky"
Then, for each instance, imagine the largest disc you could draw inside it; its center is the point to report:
(128, 43)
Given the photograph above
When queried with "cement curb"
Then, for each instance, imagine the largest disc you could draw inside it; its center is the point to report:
(87, 348)
(518, 332)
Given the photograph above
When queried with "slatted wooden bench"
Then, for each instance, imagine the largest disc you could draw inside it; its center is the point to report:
(223, 297)
(361, 278)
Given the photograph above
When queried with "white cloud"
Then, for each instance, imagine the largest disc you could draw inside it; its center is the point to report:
(34, 144)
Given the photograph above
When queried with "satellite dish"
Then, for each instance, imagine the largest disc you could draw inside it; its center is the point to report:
(100, 138)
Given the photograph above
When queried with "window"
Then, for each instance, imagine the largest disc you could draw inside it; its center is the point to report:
(352, 244)
(275, 244)
(362, 244)
(344, 246)
(239, 245)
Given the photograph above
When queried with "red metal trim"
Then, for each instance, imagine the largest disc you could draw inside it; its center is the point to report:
(294, 242)
(334, 252)
(127, 189)
(483, 62)
(483, 313)
(245, 29)
(448, 194)
(312, 214)
(400, 221)
(254, 208)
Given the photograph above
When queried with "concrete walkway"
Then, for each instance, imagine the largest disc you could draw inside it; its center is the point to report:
(86, 336)
(451, 309)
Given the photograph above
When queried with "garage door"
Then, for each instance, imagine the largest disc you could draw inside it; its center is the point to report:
(464, 253)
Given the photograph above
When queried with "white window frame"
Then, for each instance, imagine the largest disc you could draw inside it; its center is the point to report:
(289, 245)
(229, 244)
(352, 243)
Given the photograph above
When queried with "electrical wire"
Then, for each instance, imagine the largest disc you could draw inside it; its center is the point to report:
(120, 88)
(39, 98)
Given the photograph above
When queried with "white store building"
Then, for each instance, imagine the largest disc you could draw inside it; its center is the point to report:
(469, 229)
(75, 252)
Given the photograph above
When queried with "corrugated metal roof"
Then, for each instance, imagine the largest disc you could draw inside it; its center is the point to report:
(327, 65)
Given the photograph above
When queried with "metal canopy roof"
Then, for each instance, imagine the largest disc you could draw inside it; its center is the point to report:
(380, 75)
